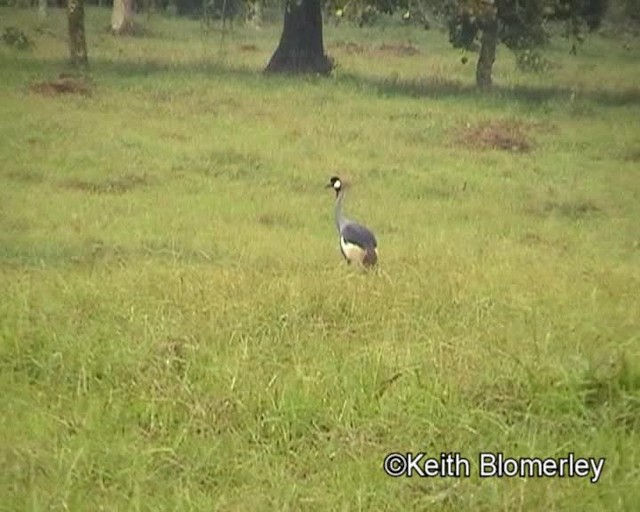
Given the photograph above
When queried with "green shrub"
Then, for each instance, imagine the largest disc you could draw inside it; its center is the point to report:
(15, 37)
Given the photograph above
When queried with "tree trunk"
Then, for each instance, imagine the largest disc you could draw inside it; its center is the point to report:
(488, 44)
(255, 10)
(301, 49)
(122, 17)
(77, 41)
(42, 9)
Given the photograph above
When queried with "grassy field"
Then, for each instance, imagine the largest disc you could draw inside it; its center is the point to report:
(178, 330)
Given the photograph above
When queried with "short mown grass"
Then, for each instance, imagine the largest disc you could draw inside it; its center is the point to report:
(177, 328)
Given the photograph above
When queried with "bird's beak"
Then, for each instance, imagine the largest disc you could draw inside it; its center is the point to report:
(329, 185)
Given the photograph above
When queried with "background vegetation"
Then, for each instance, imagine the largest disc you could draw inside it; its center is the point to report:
(178, 331)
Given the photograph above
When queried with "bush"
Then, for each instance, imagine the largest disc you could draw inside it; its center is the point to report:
(632, 9)
(15, 37)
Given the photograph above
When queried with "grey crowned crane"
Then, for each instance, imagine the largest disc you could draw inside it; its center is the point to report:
(357, 243)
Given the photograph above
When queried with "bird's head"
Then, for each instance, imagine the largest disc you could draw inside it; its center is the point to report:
(336, 184)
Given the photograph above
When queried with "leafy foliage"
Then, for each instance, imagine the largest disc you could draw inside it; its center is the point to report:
(632, 9)
(522, 23)
(463, 26)
(519, 24)
(15, 37)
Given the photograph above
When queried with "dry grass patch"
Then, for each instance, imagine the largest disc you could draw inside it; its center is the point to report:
(25, 176)
(348, 47)
(399, 49)
(633, 155)
(64, 84)
(572, 209)
(394, 49)
(248, 48)
(118, 185)
(506, 135)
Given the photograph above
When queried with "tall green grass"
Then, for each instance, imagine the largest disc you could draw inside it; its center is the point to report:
(177, 328)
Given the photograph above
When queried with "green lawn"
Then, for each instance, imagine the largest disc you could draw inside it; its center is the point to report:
(178, 330)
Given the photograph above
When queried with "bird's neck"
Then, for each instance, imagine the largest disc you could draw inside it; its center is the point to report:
(338, 208)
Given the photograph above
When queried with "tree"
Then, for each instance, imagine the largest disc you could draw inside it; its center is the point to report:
(254, 12)
(42, 9)
(519, 24)
(301, 48)
(77, 41)
(488, 45)
(122, 17)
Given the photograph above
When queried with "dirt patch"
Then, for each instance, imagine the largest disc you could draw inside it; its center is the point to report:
(535, 240)
(399, 50)
(348, 47)
(118, 185)
(25, 176)
(273, 220)
(248, 48)
(572, 209)
(173, 135)
(64, 84)
(506, 135)
(131, 29)
(633, 155)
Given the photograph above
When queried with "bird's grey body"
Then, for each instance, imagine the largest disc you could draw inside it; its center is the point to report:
(357, 243)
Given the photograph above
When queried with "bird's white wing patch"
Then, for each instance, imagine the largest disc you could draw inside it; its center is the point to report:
(352, 252)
